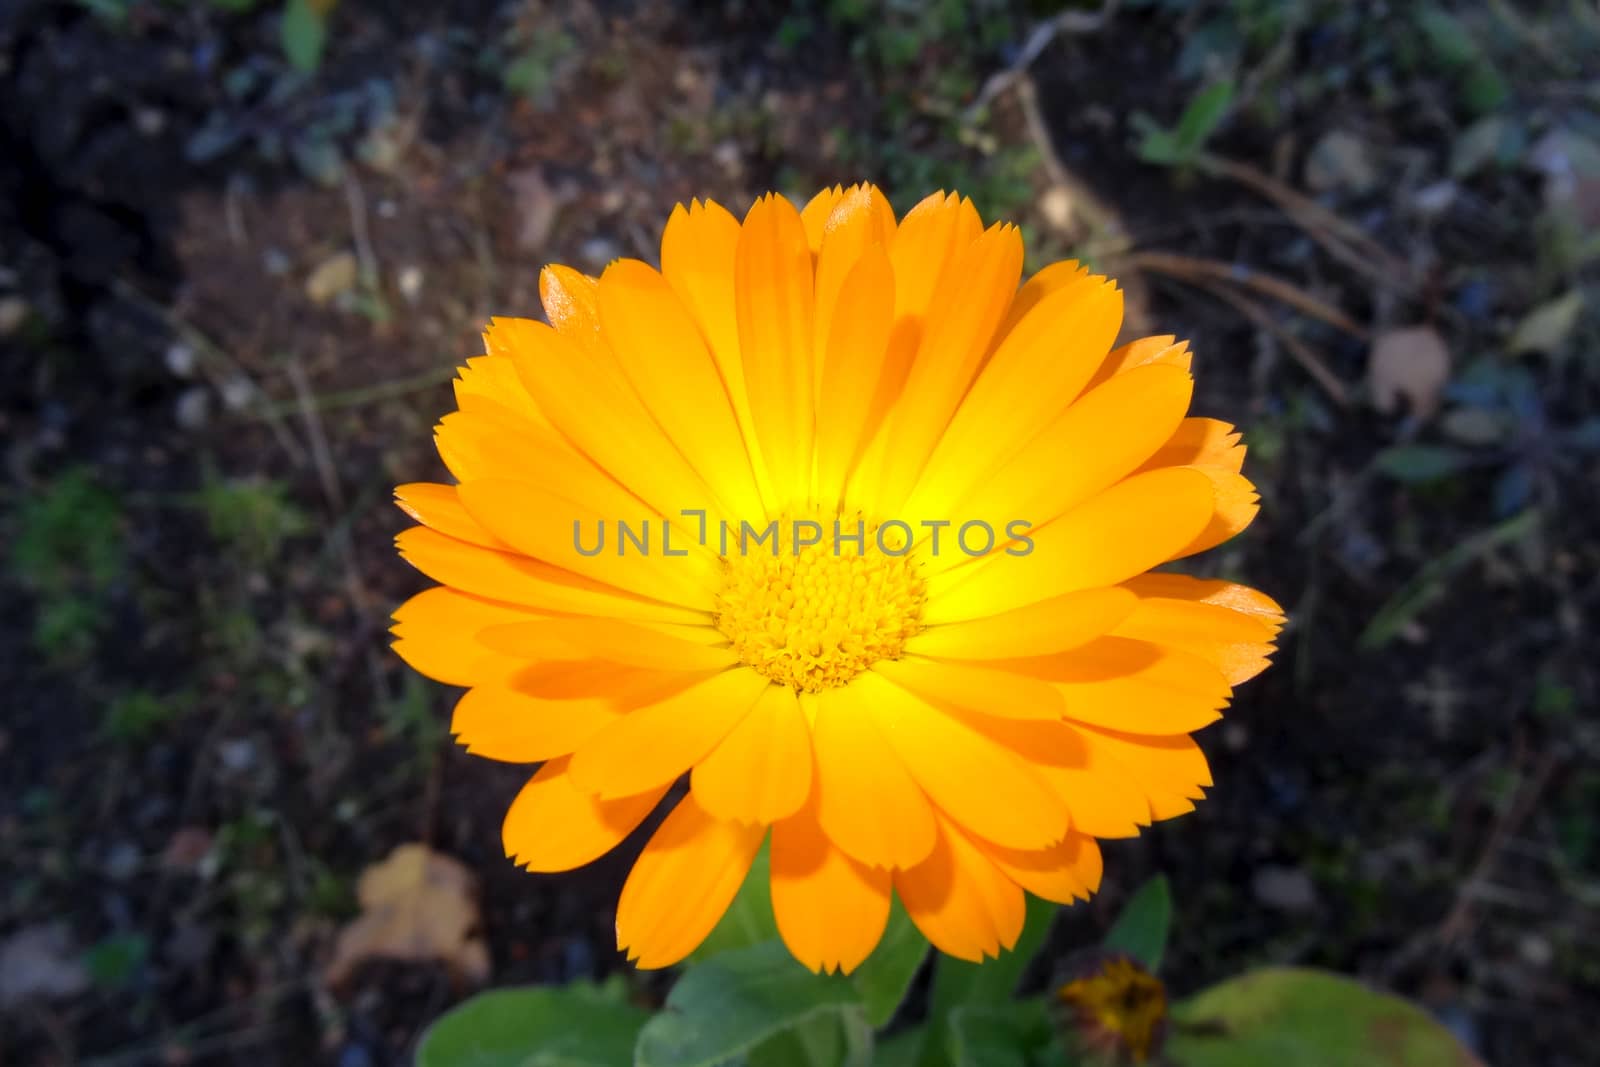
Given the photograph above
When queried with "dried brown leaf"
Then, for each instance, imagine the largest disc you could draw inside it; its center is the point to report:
(1411, 364)
(415, 905)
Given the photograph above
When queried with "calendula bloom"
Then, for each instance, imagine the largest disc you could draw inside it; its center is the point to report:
(1119, 1009)
(831, 516)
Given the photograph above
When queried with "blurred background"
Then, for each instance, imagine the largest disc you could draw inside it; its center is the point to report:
(244, 244)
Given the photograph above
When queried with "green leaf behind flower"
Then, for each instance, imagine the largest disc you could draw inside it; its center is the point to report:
(577, 1025)
(1141, 929)
(1288, 1015)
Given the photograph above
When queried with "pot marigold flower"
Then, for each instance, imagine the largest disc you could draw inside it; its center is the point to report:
(833, 517)
(1119, 1009)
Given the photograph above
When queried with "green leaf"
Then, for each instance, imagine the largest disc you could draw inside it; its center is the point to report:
(958, 984)
(304, 32)
(1010, 1035)
(1141, 929)
(1421, 463)
(578, 1025)
(1415, 596)
(885, 976)
(901, 1050)
(1547, 327)
(1449, 39)
(1202, 117)
(733, 1002)
(1283, 1015)
(748, 920)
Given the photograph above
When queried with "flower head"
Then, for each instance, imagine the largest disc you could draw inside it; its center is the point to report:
(1119, 1009)
(833, 517)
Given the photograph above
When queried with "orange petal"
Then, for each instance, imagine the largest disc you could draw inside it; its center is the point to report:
(1131, 527)
(1144, 351)
(652, 746)
(860, 219)
(682, 884)
(1046, 281)
(1062, 873)
(673, 648)
(1235, 506)
(761, 772)
(1052, 625)
(970, 301)
(527, 582)
(774, 299)
(1099, 440)
(436, 630)
(1171, 772)
(554, 827)
(1138, 686)
(491, 382)
(814, 216)
(662, 354)
(1240, 598)
(960, 900)
(977, 688)
(1101, 797)
(503, 724)
(977, 782)
(557, 528)
(572, 304)
(853, 366)
(1200, 443)
(924, 247)
(867, 801)
(588, 400)
(831, 909)
(1039, 368)
(439, 507)
(699, 250)
(1238, 643)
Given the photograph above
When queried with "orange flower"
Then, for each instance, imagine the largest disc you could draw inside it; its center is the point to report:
(833, 517)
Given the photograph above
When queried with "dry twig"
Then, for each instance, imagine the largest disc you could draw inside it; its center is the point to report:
(1201, 271)
(1298, 350)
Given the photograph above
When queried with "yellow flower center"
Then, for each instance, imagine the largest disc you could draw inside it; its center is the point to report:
(814, 601)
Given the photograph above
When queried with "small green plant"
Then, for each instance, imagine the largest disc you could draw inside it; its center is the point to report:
(1181, 145)
(251, 517)
(532, 72)
(69, 551)
(135, 716)
(303, 31)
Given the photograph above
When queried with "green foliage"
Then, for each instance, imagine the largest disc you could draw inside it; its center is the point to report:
(748, 920)
(921, 65)
(731, 1003)
(113, 961)
(958, 984)
(1283, 1015)
(135, 716)
(251, 517)
(303, 32)
(752, 1004)
(68, 549)
(1181, 146)
(1006, 1035)
(1480, 86)
(1421, 463)
(576, 1025)
(887, 974)
(532, 71)
(1141, 930)
(1429, 583)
